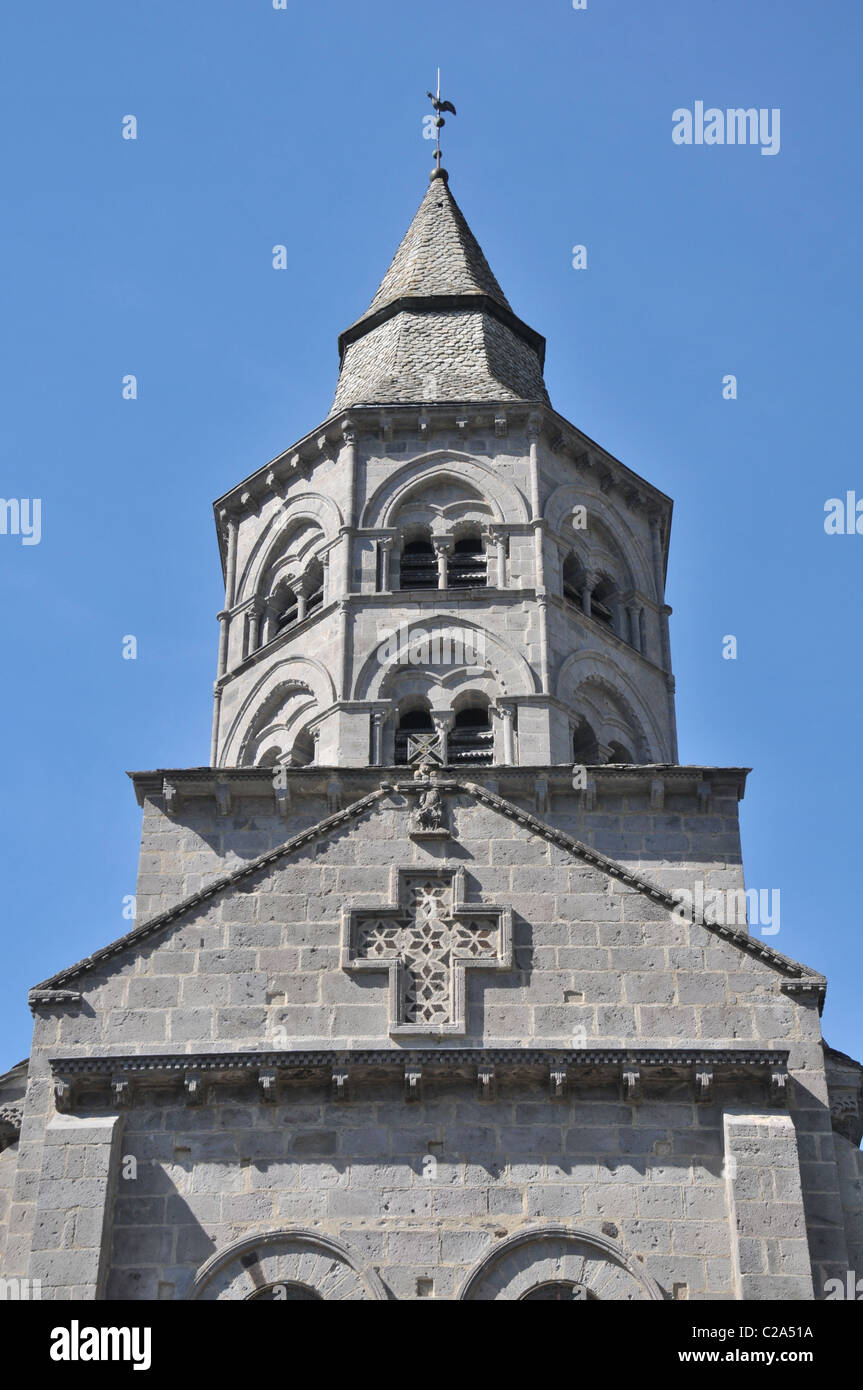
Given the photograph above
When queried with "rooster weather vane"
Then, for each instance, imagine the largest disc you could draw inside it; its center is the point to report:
(439, 107)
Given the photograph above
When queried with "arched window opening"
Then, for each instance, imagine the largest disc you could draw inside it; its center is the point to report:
(294, 603)
(467, 565)
(471, 739)
(573, 581)
(558, 1291)
(585, 749)
(287, 610)
(418, 564)
(313, 583)
(617, 753)
(601, 603)
(412, 725)
(286, 1293)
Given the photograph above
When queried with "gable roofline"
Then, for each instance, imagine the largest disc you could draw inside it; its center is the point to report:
(53, 991)
(798, 978)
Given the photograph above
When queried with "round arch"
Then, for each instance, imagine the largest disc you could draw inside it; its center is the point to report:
(310, 507)
(615, 536)
(542, 1255)
(508, 667)
(592, 667)
(294, 673)
(505, 500)
(292, 1256)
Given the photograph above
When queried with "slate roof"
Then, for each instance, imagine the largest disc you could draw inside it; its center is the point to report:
(440, 327)
(438, 254)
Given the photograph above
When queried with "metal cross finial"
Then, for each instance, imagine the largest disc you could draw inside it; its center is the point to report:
(439, 106)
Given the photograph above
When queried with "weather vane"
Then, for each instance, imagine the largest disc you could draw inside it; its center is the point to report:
(439, 106)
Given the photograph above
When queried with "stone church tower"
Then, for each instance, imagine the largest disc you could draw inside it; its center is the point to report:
(416, 1005)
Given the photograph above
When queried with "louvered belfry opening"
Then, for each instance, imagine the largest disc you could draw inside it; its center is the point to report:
(418, 568)
(466, 564)
(471, 739)
(573, 580)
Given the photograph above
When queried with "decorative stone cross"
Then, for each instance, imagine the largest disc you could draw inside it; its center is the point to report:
(425, 939)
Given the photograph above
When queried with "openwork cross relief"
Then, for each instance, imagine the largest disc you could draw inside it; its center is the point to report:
(425, 939)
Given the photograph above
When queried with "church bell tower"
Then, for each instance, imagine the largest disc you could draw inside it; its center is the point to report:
(445, 570)
(413, 1004)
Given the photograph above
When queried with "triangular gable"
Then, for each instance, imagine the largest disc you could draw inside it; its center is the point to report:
(59, 989)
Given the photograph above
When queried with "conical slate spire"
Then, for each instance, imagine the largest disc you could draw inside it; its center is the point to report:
(438, 254)
(440, 327)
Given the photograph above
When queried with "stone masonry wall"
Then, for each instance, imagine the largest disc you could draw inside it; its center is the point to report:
(422, 1191)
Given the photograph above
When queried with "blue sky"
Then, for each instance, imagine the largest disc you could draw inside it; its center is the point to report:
(304, 127)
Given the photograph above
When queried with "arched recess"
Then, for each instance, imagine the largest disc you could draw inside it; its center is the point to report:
(273, 731)
(430, 651)
(294, 1256)
(310, 509)
(295, 673)
(505, 501)
(608, 542)
(542, 1255)
(621, 707)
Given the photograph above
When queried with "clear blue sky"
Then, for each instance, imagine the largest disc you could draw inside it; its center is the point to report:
(303, 127)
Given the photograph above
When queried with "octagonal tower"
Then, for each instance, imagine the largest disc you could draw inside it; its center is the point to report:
(445, 569)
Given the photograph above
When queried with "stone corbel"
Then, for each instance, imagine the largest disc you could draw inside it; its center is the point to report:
(277, 484)
(193, 1085)
(778, 1092)
(413, 1081)
(334, 796)
(267, 1083)
(121, 1092)
(540, 792)
(485, 1082)
(704, 792)
(703, 1085)
(222, 793)
(500, 425)
(386, 427)
(171, 797)
(557, 1083)
(340, 1084)
(324, 448)
(657, 794)
(631, 1084)
(63, 1094)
